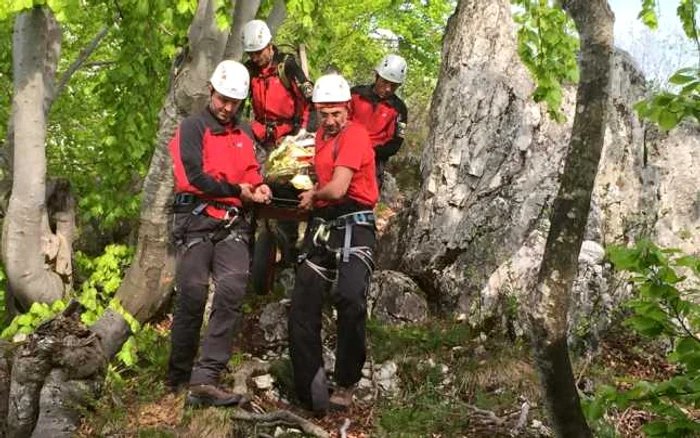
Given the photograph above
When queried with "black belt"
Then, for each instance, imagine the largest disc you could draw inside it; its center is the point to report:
(185, 199)
(334, 211)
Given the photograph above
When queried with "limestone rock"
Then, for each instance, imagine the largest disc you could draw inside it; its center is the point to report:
(395, 299)
(386, 377)
(264, 382)
(474, 233)
(273, 323)
(390, 190)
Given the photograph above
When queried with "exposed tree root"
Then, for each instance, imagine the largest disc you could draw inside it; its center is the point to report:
(281, 416)
(58, 369)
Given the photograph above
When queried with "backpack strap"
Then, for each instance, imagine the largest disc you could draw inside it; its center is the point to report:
(282, 73)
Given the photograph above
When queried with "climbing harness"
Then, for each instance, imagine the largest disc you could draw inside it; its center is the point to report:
(184, 202)
(321, 230)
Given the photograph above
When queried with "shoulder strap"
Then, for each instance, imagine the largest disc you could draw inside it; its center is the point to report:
(289, 71)
(282, 73)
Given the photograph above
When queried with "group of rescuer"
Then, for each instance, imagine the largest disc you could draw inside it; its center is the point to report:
(217, 161)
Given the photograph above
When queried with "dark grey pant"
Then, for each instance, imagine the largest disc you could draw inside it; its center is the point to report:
(226, 258)
(305, 317)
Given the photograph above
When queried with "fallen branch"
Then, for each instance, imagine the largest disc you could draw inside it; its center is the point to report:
(584, 369)
(522, 419)
(489, 416)
(344, 428)
(281, 416)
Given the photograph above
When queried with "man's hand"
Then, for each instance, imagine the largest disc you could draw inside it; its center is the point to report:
(301, 134)
(306, 200)
(263, 194)
(247, 193)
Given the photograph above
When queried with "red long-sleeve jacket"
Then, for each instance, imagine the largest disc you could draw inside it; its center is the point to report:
(385, 119)
(210, 160)
(278, 111)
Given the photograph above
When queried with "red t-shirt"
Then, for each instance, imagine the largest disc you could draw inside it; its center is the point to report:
(354, 151)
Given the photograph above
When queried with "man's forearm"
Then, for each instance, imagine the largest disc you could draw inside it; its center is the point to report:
(331, 192)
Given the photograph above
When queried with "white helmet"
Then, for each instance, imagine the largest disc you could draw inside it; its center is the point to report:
(392, 68)
(231, 79)
(330, 89)
(256, 36)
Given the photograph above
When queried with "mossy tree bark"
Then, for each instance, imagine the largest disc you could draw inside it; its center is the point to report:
(594, 21)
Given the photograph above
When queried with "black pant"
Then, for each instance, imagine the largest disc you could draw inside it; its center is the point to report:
(350, 302)
(380, 165)
(290, 234)
(207, 249)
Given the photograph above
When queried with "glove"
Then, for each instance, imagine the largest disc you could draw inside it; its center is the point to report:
(301, 134)
(304, 138)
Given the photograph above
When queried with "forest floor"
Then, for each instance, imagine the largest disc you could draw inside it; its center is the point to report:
(454, 382)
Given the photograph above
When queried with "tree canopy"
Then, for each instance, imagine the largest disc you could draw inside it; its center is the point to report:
(103, 123)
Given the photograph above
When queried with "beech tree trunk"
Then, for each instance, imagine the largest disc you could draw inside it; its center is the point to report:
(594, 21)
(244, 11)
(55, 372)
(26, 235)
(276, 16)
(148, 280)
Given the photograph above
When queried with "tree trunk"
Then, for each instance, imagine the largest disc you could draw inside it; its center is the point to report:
(36, 49)
(61, 366)
(148, 280)
(276, 17)
(244, 11)
(594, 21)
(45, 389)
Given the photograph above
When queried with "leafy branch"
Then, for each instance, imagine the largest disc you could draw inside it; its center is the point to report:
(80, 61)
(669, 109)
(661, 308)
(547, 45)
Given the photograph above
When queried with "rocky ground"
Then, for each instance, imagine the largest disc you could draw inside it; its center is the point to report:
(424, 378)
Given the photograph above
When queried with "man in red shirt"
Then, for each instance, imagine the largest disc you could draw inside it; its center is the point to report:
(216, 177)
(338, 245)
(281, 101)
(381, 111)
(280, 91)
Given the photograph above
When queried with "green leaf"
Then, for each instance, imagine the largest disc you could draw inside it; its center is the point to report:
(691, 89)
(668, 120)
(649, 18)
(687, 345)
(25, 319)
(680, 79)
(645, 325)
(656, 428)
(624, 259)
(183, 6)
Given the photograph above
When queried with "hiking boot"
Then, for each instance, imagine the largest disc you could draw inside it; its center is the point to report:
(341, 399)
(176, 388)
(210, 395)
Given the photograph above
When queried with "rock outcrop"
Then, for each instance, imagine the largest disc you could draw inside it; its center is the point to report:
(474, 235)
